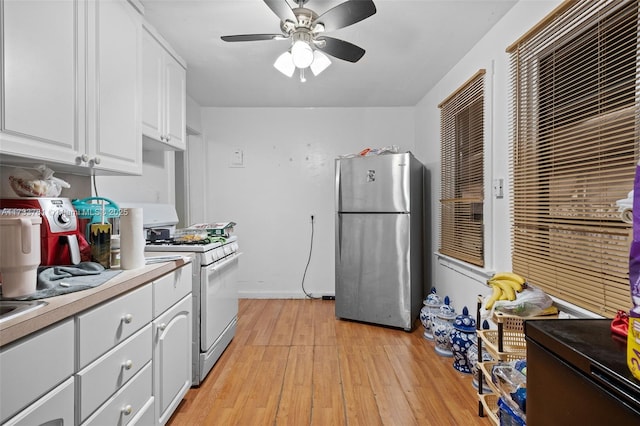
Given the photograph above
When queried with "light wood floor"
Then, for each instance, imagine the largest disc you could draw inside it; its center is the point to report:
(293, 363)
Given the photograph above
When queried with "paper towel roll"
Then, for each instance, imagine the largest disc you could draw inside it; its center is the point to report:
(132, 240)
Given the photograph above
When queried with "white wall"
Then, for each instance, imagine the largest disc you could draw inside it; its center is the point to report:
(156, 185)
(288, 175)
(462, 283)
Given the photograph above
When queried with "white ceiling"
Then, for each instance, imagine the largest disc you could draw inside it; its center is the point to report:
(410, 45)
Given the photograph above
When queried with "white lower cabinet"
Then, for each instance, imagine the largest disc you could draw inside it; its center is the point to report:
(126, 361)
(105, 376)
(33, 366)
(55, 408)
(123, 406)
(172, 358)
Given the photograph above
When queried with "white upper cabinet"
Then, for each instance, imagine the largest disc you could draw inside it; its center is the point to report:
(43, 82)
(71, 71)
(115, 70)
(163, 95)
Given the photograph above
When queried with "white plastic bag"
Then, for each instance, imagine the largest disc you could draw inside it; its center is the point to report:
(36, 182)
(529, 302)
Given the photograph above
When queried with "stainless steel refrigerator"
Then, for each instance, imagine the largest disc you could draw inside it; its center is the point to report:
(379, 239)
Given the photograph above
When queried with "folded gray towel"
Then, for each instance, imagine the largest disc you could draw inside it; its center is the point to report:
(57, 280)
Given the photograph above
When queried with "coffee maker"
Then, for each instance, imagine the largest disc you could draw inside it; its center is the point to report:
(61, 240)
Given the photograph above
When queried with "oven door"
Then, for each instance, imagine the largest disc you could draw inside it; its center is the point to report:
(218, 299)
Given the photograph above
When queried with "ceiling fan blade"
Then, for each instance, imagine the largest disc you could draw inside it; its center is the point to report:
(340, 49)
(282, 9)
(346, 14)
(253, 37)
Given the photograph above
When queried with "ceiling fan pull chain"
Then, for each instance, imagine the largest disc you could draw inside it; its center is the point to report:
(302, 77)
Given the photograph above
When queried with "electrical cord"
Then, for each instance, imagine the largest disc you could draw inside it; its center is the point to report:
(308, 261)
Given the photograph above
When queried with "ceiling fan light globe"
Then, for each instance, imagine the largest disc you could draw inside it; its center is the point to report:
(302, 54)
(284, 64)
(320, 62)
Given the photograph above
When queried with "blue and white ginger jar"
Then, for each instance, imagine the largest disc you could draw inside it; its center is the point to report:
(431, 306)
(442, 324)
(462, 336)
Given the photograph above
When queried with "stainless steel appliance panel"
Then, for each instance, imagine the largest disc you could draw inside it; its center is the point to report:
(374, 184)
(373, 273)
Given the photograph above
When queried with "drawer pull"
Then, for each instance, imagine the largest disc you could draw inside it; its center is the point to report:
(127, 409)
(162, 326)
(127, 318)
(127, 364)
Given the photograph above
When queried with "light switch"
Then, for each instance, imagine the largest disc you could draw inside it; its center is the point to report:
(498, 188)
(237, 158)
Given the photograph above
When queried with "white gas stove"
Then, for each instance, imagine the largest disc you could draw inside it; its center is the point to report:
(214, 291)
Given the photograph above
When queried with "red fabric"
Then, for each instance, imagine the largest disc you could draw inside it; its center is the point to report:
(620, 324)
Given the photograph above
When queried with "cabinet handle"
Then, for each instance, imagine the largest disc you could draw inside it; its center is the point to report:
(168, 137)
(96, 160)
(127, 409)
(162, 138)
(84, 158)
(127, 364)
(162, 326)
(127, 318)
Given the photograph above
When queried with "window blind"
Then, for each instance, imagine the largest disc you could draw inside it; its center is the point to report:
(574, 100)
(462, 162)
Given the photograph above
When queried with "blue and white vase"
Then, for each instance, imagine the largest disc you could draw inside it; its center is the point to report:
(431, 305)
(442, 324)
(462, 336)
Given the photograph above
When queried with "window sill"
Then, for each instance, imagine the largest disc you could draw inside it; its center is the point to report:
(474, 272)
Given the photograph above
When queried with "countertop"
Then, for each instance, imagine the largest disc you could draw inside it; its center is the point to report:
(587, 345)
(67, 305)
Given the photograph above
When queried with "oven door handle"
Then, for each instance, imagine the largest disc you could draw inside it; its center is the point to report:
(225, 261)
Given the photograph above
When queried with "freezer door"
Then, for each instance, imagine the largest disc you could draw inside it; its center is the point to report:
(379, 183)
(373, 279)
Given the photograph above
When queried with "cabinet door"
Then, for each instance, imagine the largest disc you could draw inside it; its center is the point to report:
(172, 358)
(152, 86)
(55, 408)
(42, 360)
(115, 37)
(43, 80)
(176, 103)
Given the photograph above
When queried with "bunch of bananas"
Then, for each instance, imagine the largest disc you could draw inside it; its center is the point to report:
(505, 286)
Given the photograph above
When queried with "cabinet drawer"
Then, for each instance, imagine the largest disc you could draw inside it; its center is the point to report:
(124, 406)
(55, 408)
(32, 366)
(107, 374)
(169, 289)
(105, 326)
(145, 416)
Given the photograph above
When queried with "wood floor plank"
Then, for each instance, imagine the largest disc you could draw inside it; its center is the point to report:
(328, 398)
(296, 398)
(292, 362)
(264, 322)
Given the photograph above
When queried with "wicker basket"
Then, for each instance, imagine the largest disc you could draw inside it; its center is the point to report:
(513, 343)
(490, 404)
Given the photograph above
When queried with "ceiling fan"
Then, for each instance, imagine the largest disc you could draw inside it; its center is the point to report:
(305, 28)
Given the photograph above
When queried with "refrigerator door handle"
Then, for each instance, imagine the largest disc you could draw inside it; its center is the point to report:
(339, 242)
